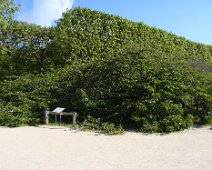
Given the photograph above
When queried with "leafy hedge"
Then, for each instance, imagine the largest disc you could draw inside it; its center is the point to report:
(115, 73)
(143, 92)
(86, 34)
(23, 100)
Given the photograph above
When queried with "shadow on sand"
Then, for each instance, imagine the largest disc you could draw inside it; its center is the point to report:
(56, 127)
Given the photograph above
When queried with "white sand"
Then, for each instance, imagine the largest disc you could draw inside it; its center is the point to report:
(51, 148)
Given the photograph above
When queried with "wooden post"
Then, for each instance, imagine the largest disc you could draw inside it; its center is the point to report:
(74, 118)
(47, 117)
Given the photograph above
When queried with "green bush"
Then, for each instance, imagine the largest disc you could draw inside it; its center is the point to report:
(87, 34)
(148, 127)
(9, 120)
(24, 100)
(14, 116)
(124, 74)
(104, 127)
(209, 120)
(174, 123)
(119, 90)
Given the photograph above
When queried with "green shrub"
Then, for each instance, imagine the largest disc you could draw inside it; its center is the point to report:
(111, 129)
(16, 116)
(172, 123)
(122, 73)
(9, 120)
(26, 98)
(176, 123)
(105, 34)
(118, 90)
(209, 120)
(148, 127)
(104, 127)
(189, 120)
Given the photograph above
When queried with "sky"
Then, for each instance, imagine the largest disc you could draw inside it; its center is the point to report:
(191, 19)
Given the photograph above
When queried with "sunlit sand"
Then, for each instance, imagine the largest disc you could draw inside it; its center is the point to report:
(58, 148)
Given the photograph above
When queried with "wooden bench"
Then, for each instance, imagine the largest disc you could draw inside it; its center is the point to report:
(73, 114)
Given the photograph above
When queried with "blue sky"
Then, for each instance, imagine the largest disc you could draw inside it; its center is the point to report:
(189, 18)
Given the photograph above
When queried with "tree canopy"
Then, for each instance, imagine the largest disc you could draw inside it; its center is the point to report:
(112, 71)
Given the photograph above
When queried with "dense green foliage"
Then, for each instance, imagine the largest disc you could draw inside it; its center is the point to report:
(26, 51)
(86, 34)
(104, 127)
(133, 93)
(114, 72)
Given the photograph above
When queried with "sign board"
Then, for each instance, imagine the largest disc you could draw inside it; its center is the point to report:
(58, 110)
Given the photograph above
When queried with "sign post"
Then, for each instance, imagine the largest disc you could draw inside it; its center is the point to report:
(59, 111)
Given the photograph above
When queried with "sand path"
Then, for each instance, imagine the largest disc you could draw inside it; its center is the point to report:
(52, 148)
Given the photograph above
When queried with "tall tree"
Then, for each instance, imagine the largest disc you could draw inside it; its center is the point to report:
(22, 45)
(7, 10)
(31, 43)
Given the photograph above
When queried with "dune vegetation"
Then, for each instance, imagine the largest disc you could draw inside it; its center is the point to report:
(116, 73)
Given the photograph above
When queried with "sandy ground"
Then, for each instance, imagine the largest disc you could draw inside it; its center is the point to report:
(57, 148)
